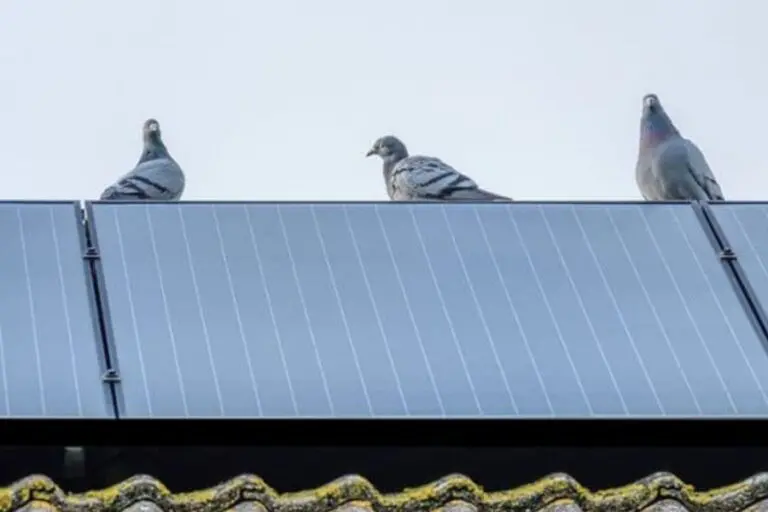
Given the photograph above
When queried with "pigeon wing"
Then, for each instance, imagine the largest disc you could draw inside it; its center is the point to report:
(680, 172)
(429, 178)
(702, 173)
(155, 180)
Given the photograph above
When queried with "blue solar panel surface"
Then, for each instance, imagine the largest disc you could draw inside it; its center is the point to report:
(359, 310)
(745, 226)
(49, 353)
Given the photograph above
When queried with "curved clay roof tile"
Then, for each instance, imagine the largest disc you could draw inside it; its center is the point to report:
(661, 492)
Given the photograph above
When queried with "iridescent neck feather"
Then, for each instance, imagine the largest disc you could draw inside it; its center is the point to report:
(153, 148)
(656, 127)
(391, 160)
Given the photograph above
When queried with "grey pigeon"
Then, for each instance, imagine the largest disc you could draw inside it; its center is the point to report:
(424, 178)
(669, 166)
(156, 177)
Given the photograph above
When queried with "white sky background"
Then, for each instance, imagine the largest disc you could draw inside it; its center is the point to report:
(280, 100)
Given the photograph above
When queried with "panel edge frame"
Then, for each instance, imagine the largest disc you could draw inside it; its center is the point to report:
(98, 294)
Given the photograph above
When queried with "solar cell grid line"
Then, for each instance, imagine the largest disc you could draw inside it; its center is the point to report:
(476, 302)
(198, 300)
(411, 316)
(578, 396)
(570, 393)
(614, 303)
(446, 315)
(238, 317)
(303, 303)
(374, 310)
(51, 359)
(131, 310)
(516, 320)
(347, 332)
(589, 323)
(425, 310)
(272, 318)
(662, 330)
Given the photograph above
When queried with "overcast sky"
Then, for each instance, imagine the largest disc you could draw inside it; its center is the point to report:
(281, 99)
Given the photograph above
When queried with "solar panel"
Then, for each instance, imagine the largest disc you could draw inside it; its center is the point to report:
(50, 357)
(742, 228)
(362, 309)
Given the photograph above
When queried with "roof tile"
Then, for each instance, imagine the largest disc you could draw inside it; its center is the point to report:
(661, 492)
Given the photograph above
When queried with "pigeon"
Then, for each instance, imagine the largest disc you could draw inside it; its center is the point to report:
(424, 178)
(669, 166)
(156, 177)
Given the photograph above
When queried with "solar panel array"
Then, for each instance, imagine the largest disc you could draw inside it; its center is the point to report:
(385, 310)
(381, 310)
(50, 356)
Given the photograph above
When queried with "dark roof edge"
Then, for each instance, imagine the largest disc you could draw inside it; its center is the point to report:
(356, 489)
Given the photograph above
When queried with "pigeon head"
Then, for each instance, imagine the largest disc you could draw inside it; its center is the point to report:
(389, 148)
(151, 129)
(153, 142)
(655, 124)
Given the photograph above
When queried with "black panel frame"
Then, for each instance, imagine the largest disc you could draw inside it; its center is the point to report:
(101, 309)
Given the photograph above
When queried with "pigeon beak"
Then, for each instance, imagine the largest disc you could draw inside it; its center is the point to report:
(650, 101)
(370, 152)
